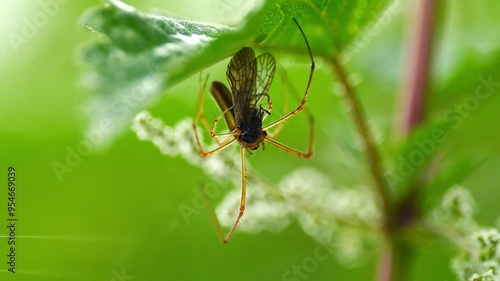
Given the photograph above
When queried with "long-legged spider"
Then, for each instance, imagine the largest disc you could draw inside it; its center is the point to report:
(250, 78)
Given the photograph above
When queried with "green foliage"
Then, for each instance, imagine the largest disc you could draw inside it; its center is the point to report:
(145, 54)
(133, 210)
(414, 156)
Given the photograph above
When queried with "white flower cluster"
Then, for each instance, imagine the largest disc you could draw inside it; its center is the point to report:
(482, 260)
(456, 210)
(487, 244)
(308, 195)
(479, 259)
(180, 141)
(263, 212)
(305, 194)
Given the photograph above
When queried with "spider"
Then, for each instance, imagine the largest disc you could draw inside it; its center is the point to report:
(250, 78)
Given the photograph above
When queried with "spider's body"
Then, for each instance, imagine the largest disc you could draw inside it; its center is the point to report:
(251, 133)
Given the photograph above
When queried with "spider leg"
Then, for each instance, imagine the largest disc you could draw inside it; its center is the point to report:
(216, 121)
(199, 112)
(199, 115)
(280, 122)
(215, 220)
(292, 150)
(306, 93)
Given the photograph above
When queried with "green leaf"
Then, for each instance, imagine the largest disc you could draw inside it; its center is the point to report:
(415, 155)
(145, 54)
(465, 80)
(452, 171)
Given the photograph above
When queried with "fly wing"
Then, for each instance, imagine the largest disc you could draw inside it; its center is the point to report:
(266, 67)
(241, 74)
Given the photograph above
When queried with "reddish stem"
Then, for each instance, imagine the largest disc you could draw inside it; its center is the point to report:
(416, 83)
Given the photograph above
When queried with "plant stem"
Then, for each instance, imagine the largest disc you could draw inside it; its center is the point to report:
(394, 259)
(414, 104)
(416, 83)
(386, 264)
(386, 260)
(371, 151)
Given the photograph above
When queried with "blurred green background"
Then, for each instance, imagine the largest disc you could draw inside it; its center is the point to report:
(116, 216)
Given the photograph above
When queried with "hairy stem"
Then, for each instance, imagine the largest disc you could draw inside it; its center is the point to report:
(371, 151)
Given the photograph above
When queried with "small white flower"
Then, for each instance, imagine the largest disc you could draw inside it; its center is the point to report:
(487, 244)
(261, 213)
